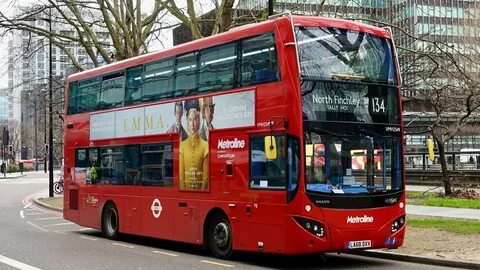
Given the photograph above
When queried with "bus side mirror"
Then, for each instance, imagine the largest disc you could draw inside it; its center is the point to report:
(270, 148)
(431, 154)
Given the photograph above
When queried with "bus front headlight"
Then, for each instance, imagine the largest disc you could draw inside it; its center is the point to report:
(312, 226)
(397, 224)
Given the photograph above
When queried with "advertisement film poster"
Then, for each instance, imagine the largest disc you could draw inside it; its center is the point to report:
(192, 119)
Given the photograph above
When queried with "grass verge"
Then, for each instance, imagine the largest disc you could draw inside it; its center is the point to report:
(456, 226)
(437, 199)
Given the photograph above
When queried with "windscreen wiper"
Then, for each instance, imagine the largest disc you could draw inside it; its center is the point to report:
(324, 131)
(347, 76)
(362, 131)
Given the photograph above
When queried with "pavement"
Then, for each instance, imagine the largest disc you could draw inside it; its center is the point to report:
(445, 212)
(14, 175)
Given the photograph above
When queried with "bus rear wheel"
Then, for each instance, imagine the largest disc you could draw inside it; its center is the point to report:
(220, 237)
(110, 221)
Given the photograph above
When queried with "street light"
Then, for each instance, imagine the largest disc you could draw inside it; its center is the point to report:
(36, 138)
(50, 110)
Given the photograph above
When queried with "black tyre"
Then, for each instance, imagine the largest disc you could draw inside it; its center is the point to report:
(110, 221)
(58, 188)
(220, 237)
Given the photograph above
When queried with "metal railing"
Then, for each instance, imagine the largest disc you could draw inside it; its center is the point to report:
(456, 161)
(461, 165)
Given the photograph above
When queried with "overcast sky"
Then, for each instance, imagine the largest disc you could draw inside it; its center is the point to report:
(9, 7)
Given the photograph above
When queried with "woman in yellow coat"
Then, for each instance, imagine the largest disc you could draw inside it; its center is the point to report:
(193, 151)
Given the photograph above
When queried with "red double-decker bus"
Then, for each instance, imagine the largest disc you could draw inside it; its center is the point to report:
(282, 137)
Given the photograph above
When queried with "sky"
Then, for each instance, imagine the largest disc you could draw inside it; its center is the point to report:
(9, 7)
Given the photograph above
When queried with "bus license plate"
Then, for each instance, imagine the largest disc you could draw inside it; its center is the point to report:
(359, 244)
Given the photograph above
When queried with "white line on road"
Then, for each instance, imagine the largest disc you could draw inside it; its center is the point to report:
(122, 245)
(27, 205)
(89, 238)
(165, 253)
(86, 229)
(33, 214)
(38, 227)
(47, 218)
(21, 214)
(17, 264)
(60, 224)
(216, 263)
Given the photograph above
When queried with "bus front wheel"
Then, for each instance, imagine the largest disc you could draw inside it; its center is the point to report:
(110, 221)
(220, 237)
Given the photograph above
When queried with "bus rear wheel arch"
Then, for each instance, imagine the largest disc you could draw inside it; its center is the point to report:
(110, 221)
(219, 236)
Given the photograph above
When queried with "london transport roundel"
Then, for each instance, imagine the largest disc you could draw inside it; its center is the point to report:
(156, 208)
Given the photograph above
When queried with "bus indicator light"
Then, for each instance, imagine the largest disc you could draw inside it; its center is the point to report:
(312, 226)
(397, 224)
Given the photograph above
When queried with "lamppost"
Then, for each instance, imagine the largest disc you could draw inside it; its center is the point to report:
(45, 135)
(36, 135)
(50, 110)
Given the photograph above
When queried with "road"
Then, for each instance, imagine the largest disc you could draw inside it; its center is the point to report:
(33, 238)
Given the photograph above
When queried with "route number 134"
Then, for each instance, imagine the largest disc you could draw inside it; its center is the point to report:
(378, 105)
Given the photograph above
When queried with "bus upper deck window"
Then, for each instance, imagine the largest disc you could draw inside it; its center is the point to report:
(259, 60)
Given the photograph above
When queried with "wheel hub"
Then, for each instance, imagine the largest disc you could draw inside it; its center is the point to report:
(221, 235)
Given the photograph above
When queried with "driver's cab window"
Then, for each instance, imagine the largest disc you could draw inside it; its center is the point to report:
(265, 172)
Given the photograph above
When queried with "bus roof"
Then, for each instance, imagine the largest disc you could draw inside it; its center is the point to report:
(231, 35)
(341, 23)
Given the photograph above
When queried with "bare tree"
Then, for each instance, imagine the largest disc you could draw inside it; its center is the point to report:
(189, 16)
(110, 29)
(446, 84)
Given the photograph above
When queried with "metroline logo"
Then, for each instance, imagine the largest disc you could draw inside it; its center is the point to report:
(364, 219)
(231, 144)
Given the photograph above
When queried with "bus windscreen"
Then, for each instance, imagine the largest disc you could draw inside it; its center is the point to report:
(352, 165)
(334, 53)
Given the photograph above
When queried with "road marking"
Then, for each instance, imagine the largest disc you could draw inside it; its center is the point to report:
(165, 253)
(38, 227)
(89, 238)
(33, 214)
(219, 264)
(47, 218)
(17, 264)
(122, 245)
(60, 224)
(21, 214)
(85, 229)
(27, 205)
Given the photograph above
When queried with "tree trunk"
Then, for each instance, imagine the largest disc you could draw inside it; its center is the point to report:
(443, 161)
(224, 17)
